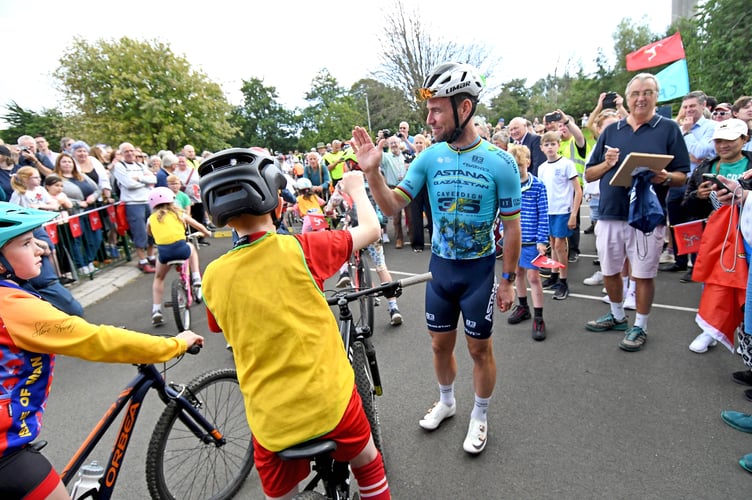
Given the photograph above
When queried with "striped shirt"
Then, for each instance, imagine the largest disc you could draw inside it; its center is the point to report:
(534, 211)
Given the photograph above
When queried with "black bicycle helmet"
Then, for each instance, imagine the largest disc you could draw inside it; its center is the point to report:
(239, 181)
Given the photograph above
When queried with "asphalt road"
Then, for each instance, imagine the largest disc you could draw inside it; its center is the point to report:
(573, 417)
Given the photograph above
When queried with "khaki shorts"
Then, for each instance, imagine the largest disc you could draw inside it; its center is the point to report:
(616, 241)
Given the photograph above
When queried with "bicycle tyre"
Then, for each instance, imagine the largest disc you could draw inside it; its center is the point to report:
(365, 387)
(309, 495)
(180, 306)
(180, 466)
(363, 281)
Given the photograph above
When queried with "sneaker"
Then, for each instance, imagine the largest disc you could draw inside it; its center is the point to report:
(574, 256)
(437, 414)
(385, 238)
(550, 282)
(687, 278)
(395, 318)
(667, 257)
(544, 271)
(737, 420)
(630, 300)
(152, 260)
(606, 299)
(157, 319)
(743, 377)
(146, 268)
(746, 462)
(606, 323)
(562, 291)
(477, 433)
(701, 343)
(197, 291)
(590, 229)
(634, 339)
(539, 329)
(594, 280)
(344, 280)
(519, 314)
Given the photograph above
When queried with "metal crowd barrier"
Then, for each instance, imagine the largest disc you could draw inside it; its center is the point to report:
(72, 234)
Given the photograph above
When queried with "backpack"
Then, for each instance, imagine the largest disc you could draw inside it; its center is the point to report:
(645, 211)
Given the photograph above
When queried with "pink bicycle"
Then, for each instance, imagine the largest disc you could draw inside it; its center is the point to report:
(183, 294)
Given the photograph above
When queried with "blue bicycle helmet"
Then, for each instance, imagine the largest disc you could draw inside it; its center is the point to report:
(16, 220)
(239, 181)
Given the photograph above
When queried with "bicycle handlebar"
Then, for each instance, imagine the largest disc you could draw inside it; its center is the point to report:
(392, 285)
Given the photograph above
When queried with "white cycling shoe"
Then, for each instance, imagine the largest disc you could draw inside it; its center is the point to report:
(437, 414)
(477, 434)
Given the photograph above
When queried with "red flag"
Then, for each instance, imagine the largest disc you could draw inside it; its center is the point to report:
(52, 232)
(75, 226)
(542, 261)
(661, 52)
(94, 221)
(687, 237)
(121, 219)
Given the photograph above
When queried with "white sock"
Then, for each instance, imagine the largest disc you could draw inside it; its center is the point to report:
(641, 320)
(156, 308)
(345, 268)
(196, 276)
(446, 394)
(480, 408)
(618, 311)
(392, 304)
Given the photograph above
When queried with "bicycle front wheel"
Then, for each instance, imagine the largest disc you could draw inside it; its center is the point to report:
(179, 465)
(180, 306)
(362, 282)
(364, 384)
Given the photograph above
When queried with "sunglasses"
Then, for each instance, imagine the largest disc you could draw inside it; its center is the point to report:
(721, 113)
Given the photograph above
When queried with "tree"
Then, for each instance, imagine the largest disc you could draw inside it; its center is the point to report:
(410, 51)
(331, 114)
(141, 92)
(49, 123)
(261, 120)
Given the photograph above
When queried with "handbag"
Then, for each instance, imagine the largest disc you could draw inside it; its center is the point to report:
(721, 259)
(645, 210)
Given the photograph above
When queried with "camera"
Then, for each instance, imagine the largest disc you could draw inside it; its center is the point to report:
(24, 149)
(552, 117)
(609, 100)
(386, 133)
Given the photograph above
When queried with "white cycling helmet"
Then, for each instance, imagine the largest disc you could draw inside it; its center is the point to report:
(160, 195)
(450, 79)
(303, 183)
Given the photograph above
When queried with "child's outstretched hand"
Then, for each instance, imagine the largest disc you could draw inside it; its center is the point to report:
(352, 182)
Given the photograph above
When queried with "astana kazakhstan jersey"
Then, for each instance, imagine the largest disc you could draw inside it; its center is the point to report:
(467, 189)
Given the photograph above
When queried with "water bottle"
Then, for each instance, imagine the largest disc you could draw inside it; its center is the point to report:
(88, 479)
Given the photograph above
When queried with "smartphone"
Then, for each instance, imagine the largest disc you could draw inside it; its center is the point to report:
(609, 100)
(552, 117)
(714, 179)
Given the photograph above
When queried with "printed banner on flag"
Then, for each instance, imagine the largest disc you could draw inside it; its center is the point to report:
(75, 226)
(673, 81)
(661, 52)
(542, 261)
(52, 232)
(687, 236)
(95, 221)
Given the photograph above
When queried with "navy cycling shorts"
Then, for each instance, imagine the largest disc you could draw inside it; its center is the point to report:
(461, 286)
(26, 473)
(180, 250)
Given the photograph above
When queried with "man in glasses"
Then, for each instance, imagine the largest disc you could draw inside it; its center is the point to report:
(468, 181)
(643, 131)
(721, 112)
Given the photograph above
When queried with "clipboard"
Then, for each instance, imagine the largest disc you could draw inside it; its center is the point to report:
(633, 161)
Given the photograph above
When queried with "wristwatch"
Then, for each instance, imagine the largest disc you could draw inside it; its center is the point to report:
(510, 277)
(668, 180)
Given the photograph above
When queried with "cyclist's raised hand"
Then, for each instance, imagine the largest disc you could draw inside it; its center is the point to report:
(191, 338)
(369, 156)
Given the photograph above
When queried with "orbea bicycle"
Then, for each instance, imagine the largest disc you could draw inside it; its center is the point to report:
(200, 448)
(333, 476)
(183, 294)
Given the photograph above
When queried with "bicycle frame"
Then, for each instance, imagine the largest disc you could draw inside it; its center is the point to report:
(133, 395)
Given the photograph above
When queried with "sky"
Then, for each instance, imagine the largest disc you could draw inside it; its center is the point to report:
(286, 43)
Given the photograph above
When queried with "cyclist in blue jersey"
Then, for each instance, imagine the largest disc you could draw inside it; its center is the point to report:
(469, 182)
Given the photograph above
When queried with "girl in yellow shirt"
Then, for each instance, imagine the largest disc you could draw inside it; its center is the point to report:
(167, 225)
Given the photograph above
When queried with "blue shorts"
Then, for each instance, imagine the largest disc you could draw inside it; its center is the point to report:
(528, 253)
(137, 216)
(180, 250)
(462, 286)
(557, 226)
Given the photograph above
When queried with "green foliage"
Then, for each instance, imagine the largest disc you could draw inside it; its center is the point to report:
(140, 92)
(49, 123)
(261, 120)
